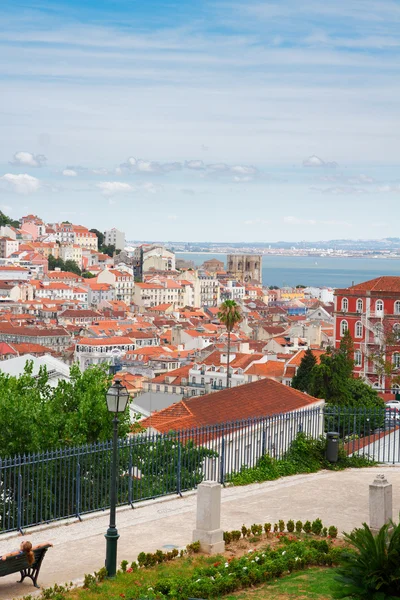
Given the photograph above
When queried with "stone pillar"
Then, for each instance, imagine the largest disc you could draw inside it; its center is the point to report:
(208, 520)
(380, 503)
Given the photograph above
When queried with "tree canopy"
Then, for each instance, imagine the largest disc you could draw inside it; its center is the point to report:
(69, 265)
(4, 220)
(36, 416)
(302, 380)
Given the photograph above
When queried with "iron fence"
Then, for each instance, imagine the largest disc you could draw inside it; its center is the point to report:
(70, 482)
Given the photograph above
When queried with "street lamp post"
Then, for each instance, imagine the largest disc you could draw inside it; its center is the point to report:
(117, 400)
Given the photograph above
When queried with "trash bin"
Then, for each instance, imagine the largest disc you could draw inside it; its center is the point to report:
(332, 446)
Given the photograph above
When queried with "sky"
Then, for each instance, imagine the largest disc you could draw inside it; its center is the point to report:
(222, 120)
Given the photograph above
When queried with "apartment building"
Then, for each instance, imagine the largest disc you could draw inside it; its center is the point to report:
(114, 237)
(370, 311)
(8, 246)
(71, 252)
(85, 238)
(122, 282)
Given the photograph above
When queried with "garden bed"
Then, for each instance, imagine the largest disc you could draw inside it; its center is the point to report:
(247, 563)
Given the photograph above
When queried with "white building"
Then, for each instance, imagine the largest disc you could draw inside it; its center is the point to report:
(158, 258)
(206, 288)
(71, 252)
(122, 282)
(114, 237)
(234, 291)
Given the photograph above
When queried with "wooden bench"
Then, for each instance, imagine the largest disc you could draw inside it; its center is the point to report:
(19, 563)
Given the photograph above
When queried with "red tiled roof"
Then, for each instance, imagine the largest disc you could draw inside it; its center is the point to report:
(271, 368)
(116, 340)
(258, 399)
(298, 357)
(380, 284)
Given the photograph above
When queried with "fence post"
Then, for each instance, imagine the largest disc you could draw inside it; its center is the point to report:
(264, 441)
(130, 471)
(78, 491)
(178, 470)
(222, 461)
(19, 503)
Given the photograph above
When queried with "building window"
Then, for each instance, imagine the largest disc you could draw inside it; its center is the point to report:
(396, 331)
(357, 358)
(397, 307)
(359, 329)
(343, 327)
(345, 305)
(396, 359)
(193, 379)
(379, 306)
(359, 305)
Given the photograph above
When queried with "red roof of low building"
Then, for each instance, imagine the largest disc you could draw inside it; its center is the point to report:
(262, 398)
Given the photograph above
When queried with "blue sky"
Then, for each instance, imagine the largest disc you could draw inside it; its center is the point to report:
(224, 120)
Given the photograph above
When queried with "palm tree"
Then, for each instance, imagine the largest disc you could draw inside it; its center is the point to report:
(229, 315)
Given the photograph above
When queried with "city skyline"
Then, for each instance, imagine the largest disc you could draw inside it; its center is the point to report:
(197, 122)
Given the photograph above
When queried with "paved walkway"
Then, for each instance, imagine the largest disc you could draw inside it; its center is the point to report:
(338, 498)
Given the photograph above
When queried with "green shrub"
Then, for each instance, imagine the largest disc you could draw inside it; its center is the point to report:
(372, 569)
(332, 531)
(124, 565)
(290, 526)
(299, 526)
(305, 455)
(267, 528)
(256, 529)
(307, 527)
(227, 537)
(276, 528)
(193, 548)
(316, 527)
(235, 535)
(244, 531)
(281, 525)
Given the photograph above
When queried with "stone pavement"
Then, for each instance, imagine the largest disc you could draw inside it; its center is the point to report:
(338, 498)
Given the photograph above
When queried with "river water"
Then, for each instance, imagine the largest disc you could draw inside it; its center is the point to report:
(306, 270)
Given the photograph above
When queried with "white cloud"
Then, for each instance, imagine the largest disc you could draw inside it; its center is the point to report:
(110, 188)
(241, 170)
(69, 173)
(194, 164)
(245, 179)
(257, 222)
(316, 161)
(27, 159)
(21, 183)
(388, 188)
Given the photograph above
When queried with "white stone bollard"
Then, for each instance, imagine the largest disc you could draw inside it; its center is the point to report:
(208, 520)
(380, 503)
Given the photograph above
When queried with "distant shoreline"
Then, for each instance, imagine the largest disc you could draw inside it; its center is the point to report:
(313, 256)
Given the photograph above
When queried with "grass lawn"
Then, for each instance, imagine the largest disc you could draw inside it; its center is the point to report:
(312, 584)
(316, 583)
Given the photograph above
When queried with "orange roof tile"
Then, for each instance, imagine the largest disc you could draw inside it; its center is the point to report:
(261, 398)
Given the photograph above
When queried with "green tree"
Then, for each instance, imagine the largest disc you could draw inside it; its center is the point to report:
(36, 416)
(110, 250)
(302, 380)
(4, 220)
(330, 379)
(229, 315)
(88, 275)
(72, 267)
